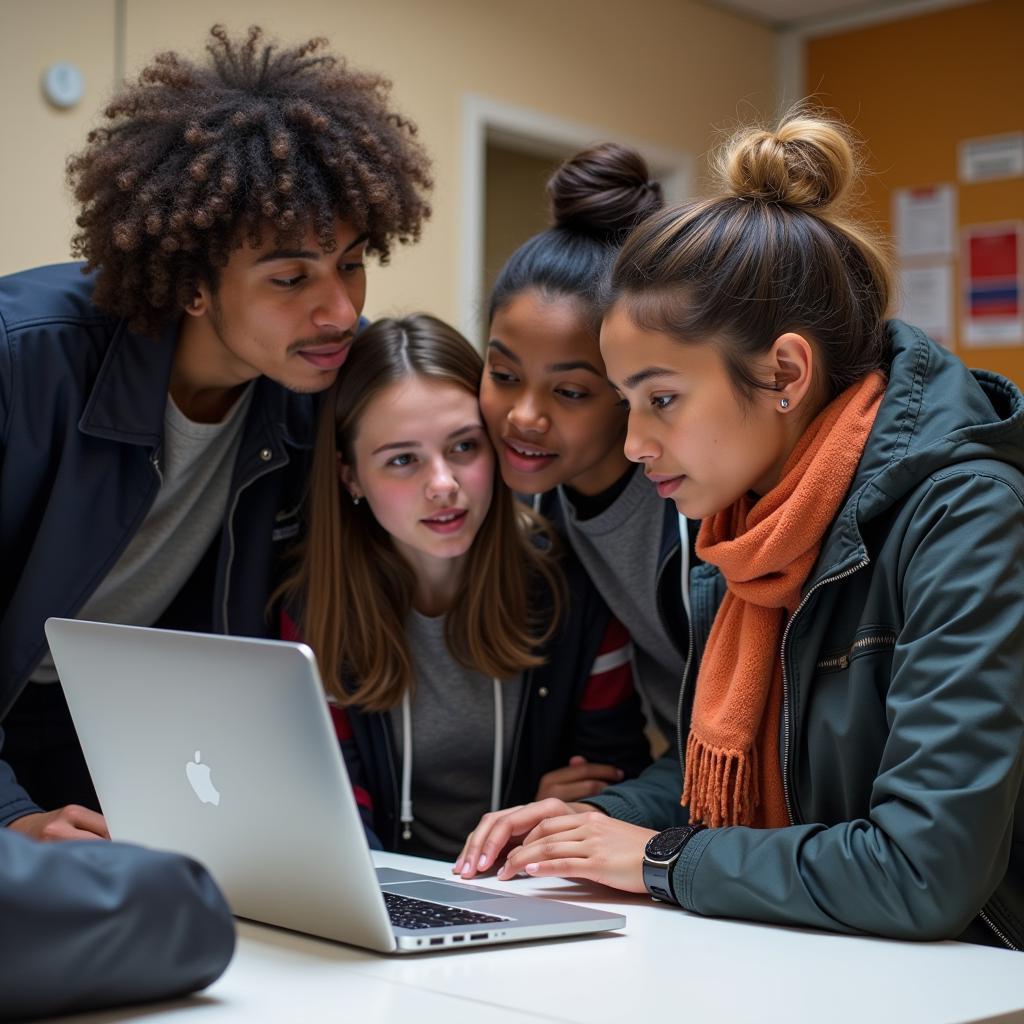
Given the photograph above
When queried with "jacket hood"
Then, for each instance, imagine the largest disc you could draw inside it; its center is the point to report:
(935, 413)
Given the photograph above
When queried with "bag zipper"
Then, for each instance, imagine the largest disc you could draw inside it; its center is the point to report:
(997, 932)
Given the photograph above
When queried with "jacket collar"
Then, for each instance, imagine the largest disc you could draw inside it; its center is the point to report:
(129, 397)
(935, 413)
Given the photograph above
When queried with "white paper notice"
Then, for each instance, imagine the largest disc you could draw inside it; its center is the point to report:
(927, 300)
(998, 156)
(924, 220)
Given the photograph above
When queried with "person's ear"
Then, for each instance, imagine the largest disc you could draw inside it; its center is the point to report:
(792, 360)
(200, 301)
(349, 480)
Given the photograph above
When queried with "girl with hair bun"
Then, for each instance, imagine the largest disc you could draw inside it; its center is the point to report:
(558, 426)
(459, 675)
(853, 746)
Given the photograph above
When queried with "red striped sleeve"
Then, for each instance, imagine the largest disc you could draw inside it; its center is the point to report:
(611, 675)
(342, 726)
(339, 716)
(288, 628)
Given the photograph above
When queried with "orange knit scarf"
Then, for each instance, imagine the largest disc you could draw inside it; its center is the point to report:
(765, 549)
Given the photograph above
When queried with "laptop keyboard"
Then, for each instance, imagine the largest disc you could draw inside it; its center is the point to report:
(406, 912)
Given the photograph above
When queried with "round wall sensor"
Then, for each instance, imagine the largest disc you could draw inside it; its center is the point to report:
(63, 84)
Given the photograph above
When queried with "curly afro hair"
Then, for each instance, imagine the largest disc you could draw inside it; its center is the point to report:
(197, 159)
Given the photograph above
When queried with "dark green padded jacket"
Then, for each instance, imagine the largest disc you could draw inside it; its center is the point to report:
(902, 736)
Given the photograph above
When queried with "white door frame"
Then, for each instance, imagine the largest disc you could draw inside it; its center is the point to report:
(485, 120)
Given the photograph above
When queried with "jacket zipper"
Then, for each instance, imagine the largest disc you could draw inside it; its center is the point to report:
(997, 932)
(785, 682)
(689, 655)
(231, 540)
(680, 745)
(390, 754)
(657, 585)
(841, 661)
(514, 758)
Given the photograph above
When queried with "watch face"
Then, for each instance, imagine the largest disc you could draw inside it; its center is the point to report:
(666, 844)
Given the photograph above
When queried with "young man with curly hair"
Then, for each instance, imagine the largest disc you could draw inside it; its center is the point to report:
(156, 411)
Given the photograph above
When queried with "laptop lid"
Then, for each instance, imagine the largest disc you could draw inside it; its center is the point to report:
(222, 748)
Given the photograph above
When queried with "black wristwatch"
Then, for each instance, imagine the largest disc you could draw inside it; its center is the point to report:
(660, 856)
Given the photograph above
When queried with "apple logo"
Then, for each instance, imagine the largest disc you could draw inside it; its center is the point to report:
(198, 775)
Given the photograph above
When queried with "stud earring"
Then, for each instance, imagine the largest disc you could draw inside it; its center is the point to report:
(355, 499)
(783, 403)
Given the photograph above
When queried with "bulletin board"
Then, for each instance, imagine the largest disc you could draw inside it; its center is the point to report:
(916, 90)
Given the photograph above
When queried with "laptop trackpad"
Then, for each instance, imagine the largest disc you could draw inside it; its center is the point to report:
(443, 892)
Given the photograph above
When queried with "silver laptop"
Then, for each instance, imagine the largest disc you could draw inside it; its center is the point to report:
(222, 748)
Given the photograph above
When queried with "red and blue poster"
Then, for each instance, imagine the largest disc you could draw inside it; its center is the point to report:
(992, 285)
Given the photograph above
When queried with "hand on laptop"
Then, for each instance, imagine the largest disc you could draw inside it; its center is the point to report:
(590, 845)
(579, 778)
(70, 822)
(499, 830)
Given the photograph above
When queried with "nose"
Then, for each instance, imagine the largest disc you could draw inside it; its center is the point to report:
(441, 485)
(335, 311)
(639, 446)
(527, 416)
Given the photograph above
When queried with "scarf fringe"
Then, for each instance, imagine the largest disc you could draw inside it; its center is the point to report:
(721, 785)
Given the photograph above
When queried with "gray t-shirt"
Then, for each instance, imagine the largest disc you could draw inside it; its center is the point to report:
(452, 740)
(198, 460)
(619, 549)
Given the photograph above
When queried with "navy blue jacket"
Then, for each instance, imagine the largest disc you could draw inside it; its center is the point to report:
(82, 402)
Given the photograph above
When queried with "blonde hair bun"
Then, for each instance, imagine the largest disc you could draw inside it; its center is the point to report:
(808, 162)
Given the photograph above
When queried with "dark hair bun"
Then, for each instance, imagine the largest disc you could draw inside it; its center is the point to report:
(603, 191)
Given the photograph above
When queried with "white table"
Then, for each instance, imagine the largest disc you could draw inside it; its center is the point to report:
(666, 965)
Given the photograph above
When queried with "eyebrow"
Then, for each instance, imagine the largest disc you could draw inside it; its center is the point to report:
(646, 374)
(504, 350)
(308, 254)
(575, 364)
(391, 445)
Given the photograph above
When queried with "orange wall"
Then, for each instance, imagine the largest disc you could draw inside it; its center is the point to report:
(913, 89)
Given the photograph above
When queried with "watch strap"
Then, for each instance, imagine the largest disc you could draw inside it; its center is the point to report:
(657, 870)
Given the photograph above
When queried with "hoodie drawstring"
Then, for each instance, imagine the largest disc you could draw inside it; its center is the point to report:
(406, 814)
(684, 550)
(499, 743)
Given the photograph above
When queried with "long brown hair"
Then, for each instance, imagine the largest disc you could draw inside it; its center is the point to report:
(352, 587)
(773, 251)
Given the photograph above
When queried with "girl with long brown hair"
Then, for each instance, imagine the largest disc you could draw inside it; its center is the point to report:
(444, 624)
(852, 750)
